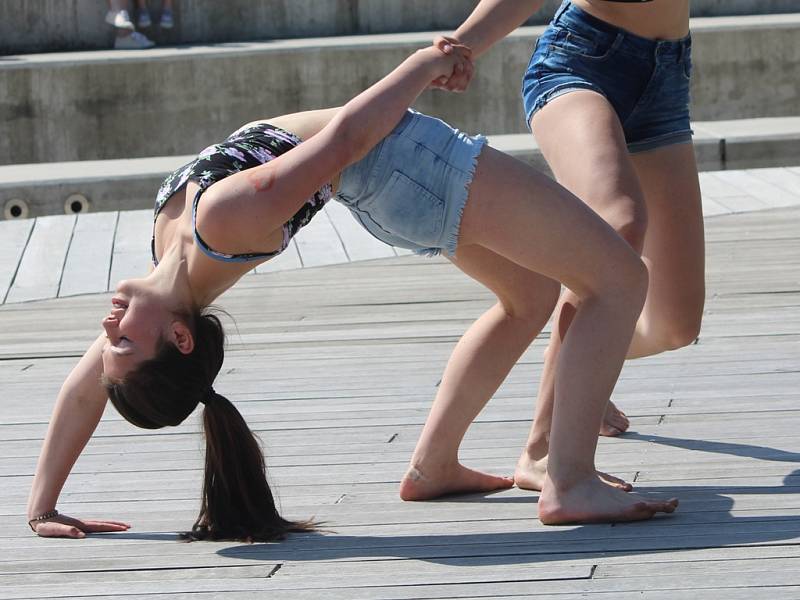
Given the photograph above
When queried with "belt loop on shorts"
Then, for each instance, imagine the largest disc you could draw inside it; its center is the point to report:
(561, 10)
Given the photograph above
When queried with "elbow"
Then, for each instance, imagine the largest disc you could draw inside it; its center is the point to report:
(351, 137)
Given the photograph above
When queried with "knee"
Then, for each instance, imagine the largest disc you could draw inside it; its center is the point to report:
(532, 310)
(680, 331)
(631, 279)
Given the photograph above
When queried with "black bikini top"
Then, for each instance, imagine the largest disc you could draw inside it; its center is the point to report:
(248, 147)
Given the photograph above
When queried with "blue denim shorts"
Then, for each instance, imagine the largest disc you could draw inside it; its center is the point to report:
(410, 190)
(646, 81)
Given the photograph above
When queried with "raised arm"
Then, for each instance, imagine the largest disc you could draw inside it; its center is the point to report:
(492, 20)
(78, 409)
(245, 207)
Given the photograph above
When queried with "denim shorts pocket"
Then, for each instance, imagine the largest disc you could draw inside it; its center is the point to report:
(574, 44)
(407, 210)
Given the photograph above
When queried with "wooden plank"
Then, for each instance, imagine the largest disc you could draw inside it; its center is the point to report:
(131, 254)
(358, 242)
(42, 264)
(714, 424)
(742, 203)
(88, 263)
(14, 237)
(285, 261)
(712, 208)
(714, 187)
(781, 177)
(319, 243)
(766, 193)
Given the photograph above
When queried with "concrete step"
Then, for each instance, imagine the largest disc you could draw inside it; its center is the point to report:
(65, 255)
(166, 101)
(63, 25)
(55, 188)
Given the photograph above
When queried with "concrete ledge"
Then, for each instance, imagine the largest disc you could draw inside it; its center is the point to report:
(131, 184)
(64, 25)
(123, 184)
(753, 143)
(171, 101)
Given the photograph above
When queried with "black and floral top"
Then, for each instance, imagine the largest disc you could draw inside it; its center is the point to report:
(246, 148)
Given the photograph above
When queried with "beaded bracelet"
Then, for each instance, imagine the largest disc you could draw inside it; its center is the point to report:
(42, 517)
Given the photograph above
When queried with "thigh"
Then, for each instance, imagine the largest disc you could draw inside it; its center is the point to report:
(674, 246)
(526, 217)
(582, 140)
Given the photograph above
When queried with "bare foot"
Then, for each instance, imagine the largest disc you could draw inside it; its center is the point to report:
(530, 475)
(593, 501)
(614, 422)
(457, 479)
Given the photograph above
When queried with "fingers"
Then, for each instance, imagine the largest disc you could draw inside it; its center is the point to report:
(104, 526)
(463, 69)
(449, 44)
(56, 529)
(68, 527)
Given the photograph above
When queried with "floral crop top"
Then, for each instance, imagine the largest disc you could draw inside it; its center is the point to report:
(246, 148)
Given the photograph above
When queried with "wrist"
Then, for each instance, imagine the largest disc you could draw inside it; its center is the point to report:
(424, 58)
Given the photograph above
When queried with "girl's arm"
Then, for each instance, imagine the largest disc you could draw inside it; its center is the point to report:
(78, 409)
(248, 206)
(492, 20)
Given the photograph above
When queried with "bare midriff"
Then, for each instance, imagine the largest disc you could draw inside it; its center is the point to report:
(658, 20)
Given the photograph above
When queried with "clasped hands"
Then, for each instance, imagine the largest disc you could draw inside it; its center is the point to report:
(462, 72)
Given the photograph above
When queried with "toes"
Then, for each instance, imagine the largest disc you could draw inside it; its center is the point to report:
(609, 431)
(615, 482)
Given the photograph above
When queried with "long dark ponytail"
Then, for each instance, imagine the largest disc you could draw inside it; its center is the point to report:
(237, 503)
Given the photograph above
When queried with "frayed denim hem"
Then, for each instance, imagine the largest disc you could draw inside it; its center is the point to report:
(560, 90)
(451, 244)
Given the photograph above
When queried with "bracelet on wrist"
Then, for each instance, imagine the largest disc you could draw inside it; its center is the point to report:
(50, 514)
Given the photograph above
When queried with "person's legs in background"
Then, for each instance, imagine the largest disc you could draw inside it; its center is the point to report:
(127, 38)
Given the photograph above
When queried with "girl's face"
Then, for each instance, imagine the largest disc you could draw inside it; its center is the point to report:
(135, 327)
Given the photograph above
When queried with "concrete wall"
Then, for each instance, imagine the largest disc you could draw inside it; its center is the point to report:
(168, 102)
(59, 25)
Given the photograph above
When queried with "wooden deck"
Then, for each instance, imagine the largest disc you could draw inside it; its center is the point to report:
(60, 256)
(335, 368)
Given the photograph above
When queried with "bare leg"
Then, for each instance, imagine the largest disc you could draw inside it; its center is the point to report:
(674, 250)
(480, 362)
(615, 186)
(582, 123)
(521, 215)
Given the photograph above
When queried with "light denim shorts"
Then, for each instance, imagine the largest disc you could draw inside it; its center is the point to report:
(410, 190)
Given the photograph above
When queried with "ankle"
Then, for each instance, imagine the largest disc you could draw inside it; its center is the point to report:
(431, 464)
(537, 448)
(566, 481)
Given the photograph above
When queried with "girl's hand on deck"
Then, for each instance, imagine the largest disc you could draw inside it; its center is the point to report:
(68, 527)
(460, 77)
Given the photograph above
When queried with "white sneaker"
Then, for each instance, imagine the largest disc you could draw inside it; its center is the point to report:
(144, 21)
(134, 41)
(167, 22)
(120, 19)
